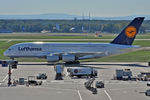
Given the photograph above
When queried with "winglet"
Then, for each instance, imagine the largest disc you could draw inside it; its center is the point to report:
(128, 34)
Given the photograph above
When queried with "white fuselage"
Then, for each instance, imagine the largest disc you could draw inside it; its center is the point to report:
(40, 49)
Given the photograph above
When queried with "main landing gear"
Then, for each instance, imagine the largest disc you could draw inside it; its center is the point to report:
(73, 62)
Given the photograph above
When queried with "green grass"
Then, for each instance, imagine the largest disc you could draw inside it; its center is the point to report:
(78, 36)
(143, 36)
(137, 56)
(143, 43)
(45, 36)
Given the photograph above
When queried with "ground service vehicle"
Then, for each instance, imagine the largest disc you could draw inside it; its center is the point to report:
(148, 83)
(144, 76)
(94, 90)
(42, 76)
(124, 74)
(21, 81)
(99, 84)
(82, 71)
(147, 93)
(32, 81)
(88, 85)
(59, 72)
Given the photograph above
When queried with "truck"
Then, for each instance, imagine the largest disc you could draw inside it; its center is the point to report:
(82, 71)
(59, 72)
(144, 76)
(124, 74)
(88, 85)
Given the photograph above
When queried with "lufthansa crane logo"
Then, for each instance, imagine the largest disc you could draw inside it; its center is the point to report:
(130, 31)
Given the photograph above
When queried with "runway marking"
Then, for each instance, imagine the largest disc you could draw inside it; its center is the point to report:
(107, 95)
(5, 77)
(80, 95)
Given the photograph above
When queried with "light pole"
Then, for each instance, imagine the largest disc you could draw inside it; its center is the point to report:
(12, 64)
(9, 74)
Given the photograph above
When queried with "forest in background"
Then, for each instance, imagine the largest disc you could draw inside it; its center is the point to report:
(69, 26)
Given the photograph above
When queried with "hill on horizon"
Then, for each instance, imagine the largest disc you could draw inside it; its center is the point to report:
(59, 16)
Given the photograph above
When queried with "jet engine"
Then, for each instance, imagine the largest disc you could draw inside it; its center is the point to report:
(68, 58)
(52, 58)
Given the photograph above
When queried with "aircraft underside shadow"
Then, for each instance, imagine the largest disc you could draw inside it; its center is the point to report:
(84, 65)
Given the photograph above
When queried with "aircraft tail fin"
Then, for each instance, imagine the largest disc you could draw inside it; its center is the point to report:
(128, 34)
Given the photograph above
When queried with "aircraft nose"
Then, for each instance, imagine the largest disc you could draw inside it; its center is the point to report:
(6, 53)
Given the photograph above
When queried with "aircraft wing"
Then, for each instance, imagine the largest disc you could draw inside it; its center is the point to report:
(82, 55)
(88, 55)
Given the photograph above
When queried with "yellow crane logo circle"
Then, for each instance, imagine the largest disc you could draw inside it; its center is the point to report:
(130, 31)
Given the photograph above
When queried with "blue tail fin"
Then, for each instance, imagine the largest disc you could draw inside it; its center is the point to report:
(128, 34)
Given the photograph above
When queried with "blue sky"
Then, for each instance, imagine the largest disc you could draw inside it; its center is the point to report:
(107, 8)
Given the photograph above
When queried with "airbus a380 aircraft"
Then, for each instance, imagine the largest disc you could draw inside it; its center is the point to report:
(73, 52)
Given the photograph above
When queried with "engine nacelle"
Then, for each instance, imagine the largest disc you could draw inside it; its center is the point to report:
(52, 58)
(68, 58)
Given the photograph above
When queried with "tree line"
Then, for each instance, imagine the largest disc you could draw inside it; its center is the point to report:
(66, 26)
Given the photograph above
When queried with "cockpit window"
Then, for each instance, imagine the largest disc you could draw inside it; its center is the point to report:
(9, 49)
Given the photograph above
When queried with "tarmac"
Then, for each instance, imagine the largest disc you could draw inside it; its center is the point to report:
(73, 88)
